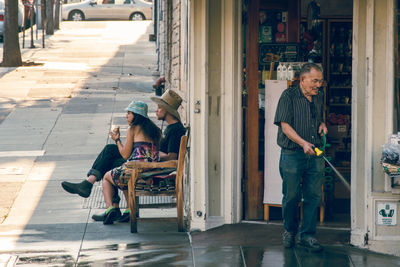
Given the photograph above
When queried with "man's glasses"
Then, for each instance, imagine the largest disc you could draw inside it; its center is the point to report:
(315, 81)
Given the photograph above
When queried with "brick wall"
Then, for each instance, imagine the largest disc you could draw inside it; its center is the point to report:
(172, 52)
(161, 38)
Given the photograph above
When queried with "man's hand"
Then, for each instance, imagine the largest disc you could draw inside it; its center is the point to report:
(308, 148)
(322, 129)
(292, 135)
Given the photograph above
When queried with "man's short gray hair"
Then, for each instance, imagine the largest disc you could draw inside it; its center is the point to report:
(306, 68)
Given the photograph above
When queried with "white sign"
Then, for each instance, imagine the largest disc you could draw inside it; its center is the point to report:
(386, 213)
(272, 178)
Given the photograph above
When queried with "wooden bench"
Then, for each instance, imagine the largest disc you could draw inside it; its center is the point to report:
(145, 170)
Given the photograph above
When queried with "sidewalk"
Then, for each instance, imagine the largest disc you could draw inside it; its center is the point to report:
(54, 120)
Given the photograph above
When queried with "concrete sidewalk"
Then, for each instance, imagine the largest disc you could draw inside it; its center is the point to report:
(54, 120)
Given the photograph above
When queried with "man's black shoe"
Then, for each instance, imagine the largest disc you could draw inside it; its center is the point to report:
(311, 244)
(126, 216)
(288, 239)
(112, 216)
(83, 188)
(101, 217)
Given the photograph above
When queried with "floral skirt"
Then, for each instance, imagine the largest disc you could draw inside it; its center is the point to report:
(121, 176)
(142, 151)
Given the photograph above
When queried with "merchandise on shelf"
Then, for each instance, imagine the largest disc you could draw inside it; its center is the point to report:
(338, 119)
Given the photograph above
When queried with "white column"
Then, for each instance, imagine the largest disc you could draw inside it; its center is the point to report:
(359, 178)
(198, 113)
(231, 42)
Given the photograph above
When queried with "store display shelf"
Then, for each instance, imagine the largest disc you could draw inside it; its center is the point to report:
(339, 105)
(344, 150)
(340, 87)
(341, 73)
(338, 58)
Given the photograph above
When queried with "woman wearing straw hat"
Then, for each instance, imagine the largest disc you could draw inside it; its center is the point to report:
(142, 141)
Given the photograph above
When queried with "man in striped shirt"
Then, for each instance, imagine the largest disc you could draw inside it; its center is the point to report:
(299, 116)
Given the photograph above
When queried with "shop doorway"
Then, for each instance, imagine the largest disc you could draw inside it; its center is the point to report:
(288, 32)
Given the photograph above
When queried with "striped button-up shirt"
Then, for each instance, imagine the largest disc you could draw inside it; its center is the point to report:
(303, 116)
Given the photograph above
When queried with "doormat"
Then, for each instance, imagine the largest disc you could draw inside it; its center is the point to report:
(96, 200)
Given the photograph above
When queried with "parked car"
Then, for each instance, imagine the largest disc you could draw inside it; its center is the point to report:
(71, 1)
(107, 9)
(20, 17)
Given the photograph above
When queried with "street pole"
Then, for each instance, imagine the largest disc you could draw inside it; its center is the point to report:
(31, 17)
(23, 29)
(43, 13)
(36, 18)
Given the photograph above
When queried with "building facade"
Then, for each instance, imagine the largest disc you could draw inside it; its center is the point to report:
(203, 57)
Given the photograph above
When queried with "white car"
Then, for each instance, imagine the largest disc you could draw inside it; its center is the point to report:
(20, 17)
(108, 9)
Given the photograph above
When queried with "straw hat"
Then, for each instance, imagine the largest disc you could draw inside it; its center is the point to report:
(138, 107)
(170, 101)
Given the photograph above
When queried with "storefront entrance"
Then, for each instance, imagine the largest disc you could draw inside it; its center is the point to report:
(284, 34)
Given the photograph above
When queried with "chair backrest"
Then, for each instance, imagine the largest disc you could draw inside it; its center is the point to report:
(178, 181)
(181, 157)
(183, 147)
(181, 162)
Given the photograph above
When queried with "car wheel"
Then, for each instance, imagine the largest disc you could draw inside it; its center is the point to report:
(137, 16)
(76, 15)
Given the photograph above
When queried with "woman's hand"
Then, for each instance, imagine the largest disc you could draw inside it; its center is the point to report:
(114, 134)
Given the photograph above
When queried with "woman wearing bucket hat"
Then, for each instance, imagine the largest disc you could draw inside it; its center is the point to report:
(110, 157)
(167, 110)
(142, 141)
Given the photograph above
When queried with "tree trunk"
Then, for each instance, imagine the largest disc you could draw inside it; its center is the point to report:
(50, 17)
(57, 16)
(11, 49)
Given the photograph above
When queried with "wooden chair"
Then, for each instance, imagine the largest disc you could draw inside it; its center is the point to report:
(151, 169)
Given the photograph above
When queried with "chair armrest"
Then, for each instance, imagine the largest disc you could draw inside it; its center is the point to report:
(151, 165)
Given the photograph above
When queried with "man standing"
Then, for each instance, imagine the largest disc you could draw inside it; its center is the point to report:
(109, 157)
(299, 116)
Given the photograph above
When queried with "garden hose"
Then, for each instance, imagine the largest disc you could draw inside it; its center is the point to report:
(320, 151)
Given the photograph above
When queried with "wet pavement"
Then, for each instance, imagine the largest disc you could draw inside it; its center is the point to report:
(261, 245)
(159, 244)
(54, 119)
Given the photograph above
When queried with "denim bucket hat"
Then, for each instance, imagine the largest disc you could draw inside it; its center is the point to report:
(138, 107)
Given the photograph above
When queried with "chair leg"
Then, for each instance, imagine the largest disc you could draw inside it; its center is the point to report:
(133, 214)
(137, 206)
(132, 200)
(321, 213)
(179, 208)
(181, 227)
(266, 212)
